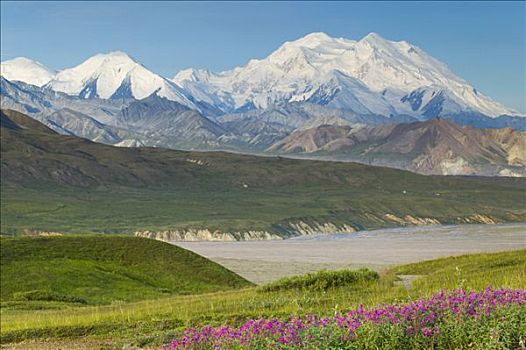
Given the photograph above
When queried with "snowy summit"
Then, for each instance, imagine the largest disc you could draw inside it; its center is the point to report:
(115, 75)
(372, 75)
(27, 71)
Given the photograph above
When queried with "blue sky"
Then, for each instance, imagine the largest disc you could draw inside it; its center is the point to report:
(483, 42)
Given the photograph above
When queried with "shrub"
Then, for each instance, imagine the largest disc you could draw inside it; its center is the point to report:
(322, 280)
(45, 295)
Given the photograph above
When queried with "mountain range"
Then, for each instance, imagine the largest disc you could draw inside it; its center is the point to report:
(317, 85)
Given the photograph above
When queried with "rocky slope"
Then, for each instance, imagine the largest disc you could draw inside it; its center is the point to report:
(68, 121)
(39, 103)
(436, 146)
(169, 124)
(152, 121)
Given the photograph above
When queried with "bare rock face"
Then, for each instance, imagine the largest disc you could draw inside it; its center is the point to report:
(433, 147)
(191, 235)
(311, 140)
(291, 229)
(410, 220)
(299, 228)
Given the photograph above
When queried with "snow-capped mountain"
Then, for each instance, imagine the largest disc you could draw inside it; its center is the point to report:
(369, 76)
(27, 71)
(116, 76)
(308, 92)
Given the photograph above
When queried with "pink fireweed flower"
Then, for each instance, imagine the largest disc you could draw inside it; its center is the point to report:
(419, 318)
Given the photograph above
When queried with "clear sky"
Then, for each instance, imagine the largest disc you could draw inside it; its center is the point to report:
(483, 42)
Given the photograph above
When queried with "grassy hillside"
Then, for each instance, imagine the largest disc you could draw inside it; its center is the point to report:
(157, 321)
(103, 269)
(60, 183)
(474, 271)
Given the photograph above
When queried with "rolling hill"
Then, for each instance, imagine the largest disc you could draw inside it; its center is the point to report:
(52, 182)
(100, 269)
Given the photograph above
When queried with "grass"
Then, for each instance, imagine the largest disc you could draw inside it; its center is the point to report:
(52, 182)
(155, 321)
(475, 271)
(97, 269)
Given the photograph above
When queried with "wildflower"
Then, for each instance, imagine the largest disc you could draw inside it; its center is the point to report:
(421, 317)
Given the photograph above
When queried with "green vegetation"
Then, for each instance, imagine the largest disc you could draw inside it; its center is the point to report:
(97, 269)
(259, 207)
(156, 321)
(65, 184)
(322, 280)
(44, 295)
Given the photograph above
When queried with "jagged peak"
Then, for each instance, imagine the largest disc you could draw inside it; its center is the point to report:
(320, 36)
(26, 70)
(373, 36)
(21, 59)
(24, 61)
(113, 57)
(310, 40)
(115, 54)
(439, 122)
(376, 40)
(191, 74)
